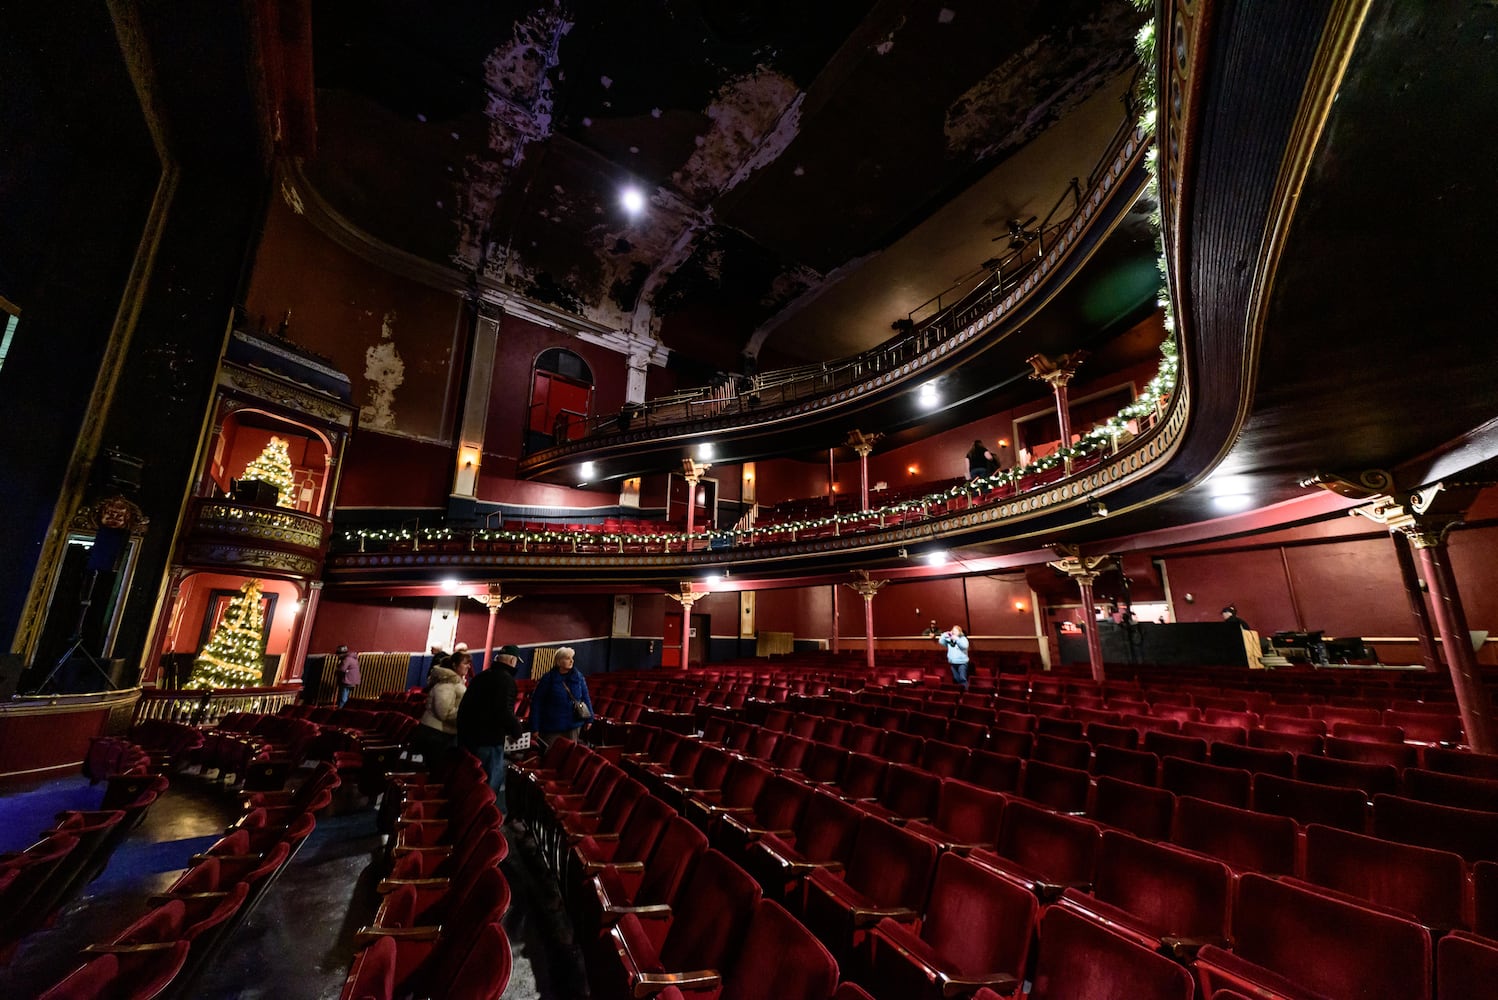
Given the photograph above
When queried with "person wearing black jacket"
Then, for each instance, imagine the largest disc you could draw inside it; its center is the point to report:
(487, 715)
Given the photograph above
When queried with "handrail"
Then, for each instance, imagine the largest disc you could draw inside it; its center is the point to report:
(778, 387)
(208, 706)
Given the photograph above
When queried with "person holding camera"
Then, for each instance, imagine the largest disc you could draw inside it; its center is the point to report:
(955, 640)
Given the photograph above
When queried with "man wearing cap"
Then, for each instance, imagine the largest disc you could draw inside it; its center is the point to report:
(487, 715)
(348, 673)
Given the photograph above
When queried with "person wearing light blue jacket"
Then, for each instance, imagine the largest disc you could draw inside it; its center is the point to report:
(956, 642)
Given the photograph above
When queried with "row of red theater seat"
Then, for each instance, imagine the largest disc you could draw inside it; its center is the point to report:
(187, 923)
(35, 882)
(1040, 860)
(437, 932)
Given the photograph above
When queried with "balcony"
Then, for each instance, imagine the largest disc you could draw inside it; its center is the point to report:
(222, 534)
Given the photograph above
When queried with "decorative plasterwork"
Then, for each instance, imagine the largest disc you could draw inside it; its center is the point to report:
(240, 557)
(286, 527)
(285, 395)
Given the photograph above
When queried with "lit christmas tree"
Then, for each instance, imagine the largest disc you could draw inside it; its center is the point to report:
(274, 466)
(232, 658)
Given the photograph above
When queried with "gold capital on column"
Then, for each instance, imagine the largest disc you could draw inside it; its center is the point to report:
(686, 598)
(1057, 371)
(865, 587)
(494, 598)
(862, 443)
(1083, 569)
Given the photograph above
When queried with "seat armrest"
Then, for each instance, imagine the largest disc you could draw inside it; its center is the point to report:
(868, 916)
(653, 911)
(648, 984)
(166, 897)
(129, 949)
(441, 849)
(961, 986)
(593, 867)
(1184, 949)
(369, 935)
(1049, 892)
(389, 885)
(221, 858)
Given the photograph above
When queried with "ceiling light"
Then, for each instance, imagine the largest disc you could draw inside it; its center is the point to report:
(937, 558)
(705, 451)
(451, 585)
(633, 200)
(586, 471)
(928, 397)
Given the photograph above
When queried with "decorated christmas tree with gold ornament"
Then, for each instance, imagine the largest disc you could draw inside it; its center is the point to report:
(273, 466)
(233, 657)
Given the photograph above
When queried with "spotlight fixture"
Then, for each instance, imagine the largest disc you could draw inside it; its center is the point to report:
(928, 397)
(903, 553)
(936, 558)
(633, 200)
(586, 471)
(1097, 508)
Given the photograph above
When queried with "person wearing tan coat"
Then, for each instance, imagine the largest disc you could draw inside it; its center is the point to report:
(438, 731)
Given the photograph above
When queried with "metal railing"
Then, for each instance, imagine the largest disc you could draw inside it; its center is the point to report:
(996, 279)
(206, 708)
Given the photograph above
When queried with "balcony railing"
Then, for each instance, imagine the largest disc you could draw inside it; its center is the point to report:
(1007, 282)
(223, 533)
(209, 706)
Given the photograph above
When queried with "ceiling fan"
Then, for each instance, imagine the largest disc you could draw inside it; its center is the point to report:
(1020, 234)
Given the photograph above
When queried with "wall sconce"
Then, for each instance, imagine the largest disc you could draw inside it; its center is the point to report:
(1020, 607)
(912, 469)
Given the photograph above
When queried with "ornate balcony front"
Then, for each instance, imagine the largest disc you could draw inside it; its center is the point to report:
(238, 537)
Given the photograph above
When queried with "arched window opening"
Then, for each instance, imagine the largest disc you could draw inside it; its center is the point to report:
(561, 399)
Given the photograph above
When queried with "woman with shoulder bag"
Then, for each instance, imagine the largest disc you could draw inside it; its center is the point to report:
(560, 705)
(438, 732)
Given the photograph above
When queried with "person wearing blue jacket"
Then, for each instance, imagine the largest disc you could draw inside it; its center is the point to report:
(554, 704)
(956, 643)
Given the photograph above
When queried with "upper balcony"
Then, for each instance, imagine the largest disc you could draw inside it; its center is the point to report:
(243, 538)
(815, 405)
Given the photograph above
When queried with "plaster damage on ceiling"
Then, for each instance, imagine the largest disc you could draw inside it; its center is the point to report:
(776, 143)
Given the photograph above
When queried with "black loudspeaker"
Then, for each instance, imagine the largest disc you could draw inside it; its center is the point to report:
(120, 470)
(11, 668)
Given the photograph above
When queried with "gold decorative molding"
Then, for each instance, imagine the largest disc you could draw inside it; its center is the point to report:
(283, 394)
(240, 558)
(260, 523)
(1082, 568)
(865, 586)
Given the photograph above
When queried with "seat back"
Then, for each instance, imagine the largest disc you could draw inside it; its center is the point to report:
(485, 971)
(1485, 898)
(483, 904)
(1308, 802)
(1169, 891)
(1466, 966)
(1330, 946)
(780, 802)
(1417, 880)
(1227, 785)
(1468, 832)
(679, 846)
(1175, 745)
(1247, 841)
(1061, 788)
(1256, 760)
(1138, 766)
(976, 922)
(998, 772)
(1058, 848)
(1451, 789)
(710, 915)
(780, 960)
(791, 751)
(1467, 762)
(824, 762)
(910, 791)
(1396, 755)
(1140, 809)
(889, 865)
(968, 813)
(1059, 750)
(1369, 778)
(945, 760)
(827, 828)
(1081, 958)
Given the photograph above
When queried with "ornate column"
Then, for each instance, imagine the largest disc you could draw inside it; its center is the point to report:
(495, 602)
(837, 643)
(867, 588)
(863, 444)
(1058, 373)
(292, 670)
(637, 367)
(686, 598)
(692, 471)
(1411, 580)
(1426, 516)
(476, 397)
(1085, 570)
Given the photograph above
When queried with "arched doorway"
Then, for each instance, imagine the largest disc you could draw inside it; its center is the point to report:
(561, 399)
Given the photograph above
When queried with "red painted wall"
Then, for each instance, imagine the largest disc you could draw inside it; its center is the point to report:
(193, 600)
(386, 470)
(339, 304)
(383, 625)
(541, 618)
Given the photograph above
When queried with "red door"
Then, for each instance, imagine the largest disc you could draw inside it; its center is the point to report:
(671, 644)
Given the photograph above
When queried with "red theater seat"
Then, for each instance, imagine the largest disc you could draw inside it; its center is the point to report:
(1472, 834)
(822, 837)
(1173, 745)
(1293, 942)
(1291, 742)
(1061, 788)
(1428, 884)
(136, 975)
(1369, 778)
(1138, 766)
(780, 960)
(1246, 841)
(1485, 894)
(1227, 785)
(908, 793)
(976, 931)
(1075, 754)
(1043, 851)
(1451, 789)
(1165, 898)
(687, 947)
(1257, 760)
(1081, 958)
(627, 887)
(1466, 966)
(1397, 755)
(886, 876)
(1473, 765)
(1142, 810)
(967, 817)
(1308, 802)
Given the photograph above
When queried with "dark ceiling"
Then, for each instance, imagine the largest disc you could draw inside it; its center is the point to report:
(781, 145)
